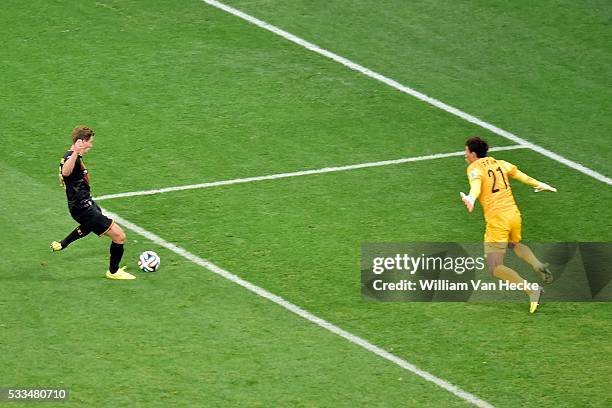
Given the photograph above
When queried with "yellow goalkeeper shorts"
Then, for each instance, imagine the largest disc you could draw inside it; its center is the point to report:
(502, 228)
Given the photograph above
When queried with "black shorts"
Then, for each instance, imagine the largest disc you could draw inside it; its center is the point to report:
(92, 219)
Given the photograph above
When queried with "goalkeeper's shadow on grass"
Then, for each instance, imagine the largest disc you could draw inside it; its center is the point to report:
(507, 308)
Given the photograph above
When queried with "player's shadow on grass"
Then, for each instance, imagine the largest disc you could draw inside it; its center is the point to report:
(503, 308)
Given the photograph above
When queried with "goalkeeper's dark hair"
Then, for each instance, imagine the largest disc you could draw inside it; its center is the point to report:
(82, 133)
(478, 146)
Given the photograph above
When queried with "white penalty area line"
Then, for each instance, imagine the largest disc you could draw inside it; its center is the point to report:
(301, 312)
(402, 88)
(295, 174)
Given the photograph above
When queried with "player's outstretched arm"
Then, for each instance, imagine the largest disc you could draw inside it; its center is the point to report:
(530, 181)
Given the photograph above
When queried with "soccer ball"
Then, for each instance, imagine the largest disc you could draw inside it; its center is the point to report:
(149, 261)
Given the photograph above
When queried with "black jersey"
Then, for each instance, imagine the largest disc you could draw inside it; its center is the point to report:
(76, 184)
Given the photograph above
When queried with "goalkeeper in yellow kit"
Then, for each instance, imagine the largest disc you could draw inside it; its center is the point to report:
(490, 184)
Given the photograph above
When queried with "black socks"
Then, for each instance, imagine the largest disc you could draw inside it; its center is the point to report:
(116, 253)
(78, 233)
(116, 250)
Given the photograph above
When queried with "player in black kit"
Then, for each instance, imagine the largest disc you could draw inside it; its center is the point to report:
(74, 177)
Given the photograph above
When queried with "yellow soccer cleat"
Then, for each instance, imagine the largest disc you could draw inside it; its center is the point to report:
(56, 246)
(120, 274)
(534, 300)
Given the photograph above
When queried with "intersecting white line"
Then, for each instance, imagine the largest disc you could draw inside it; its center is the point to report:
(294, 174)
(290, 306)
(394, 84)
(301, 312)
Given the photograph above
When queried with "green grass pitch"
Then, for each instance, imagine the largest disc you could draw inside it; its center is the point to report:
(182, 93)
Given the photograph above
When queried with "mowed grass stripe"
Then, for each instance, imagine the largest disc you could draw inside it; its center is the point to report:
(174, 337)
(407, 90)
(303, 313)
(199, 94)
(536, 69)
(300, 238)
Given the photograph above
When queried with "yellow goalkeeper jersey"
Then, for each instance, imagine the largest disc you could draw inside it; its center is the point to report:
(495, 191)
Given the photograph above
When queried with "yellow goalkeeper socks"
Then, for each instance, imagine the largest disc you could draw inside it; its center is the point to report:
(525, 253)
(508, 274)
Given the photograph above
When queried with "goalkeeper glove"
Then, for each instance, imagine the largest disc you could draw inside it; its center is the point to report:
(544, 187)
(468, 200)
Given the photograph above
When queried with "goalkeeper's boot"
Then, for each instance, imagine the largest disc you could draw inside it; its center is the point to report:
(120, 274)
(56, 246)
(534, 299)
(545, 274)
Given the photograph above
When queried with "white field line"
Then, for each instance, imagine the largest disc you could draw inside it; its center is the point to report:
(432, 101)
(301, 312)
(294, 174)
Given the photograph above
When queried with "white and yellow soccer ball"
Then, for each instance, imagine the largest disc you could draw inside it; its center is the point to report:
(149, 261)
